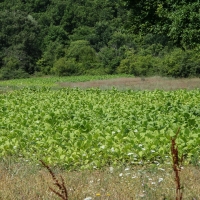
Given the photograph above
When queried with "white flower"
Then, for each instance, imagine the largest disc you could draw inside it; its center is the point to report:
(135, 130)
(102, 147)
(112, 149)
(129, 154)
(121, 174)
(126, 169)
(153, 183)
(160, 180)
(111, 169)
(88, 198)
(141, 195)
(153, 151)
(140, 145)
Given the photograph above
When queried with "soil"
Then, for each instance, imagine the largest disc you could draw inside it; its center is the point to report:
(149, 83)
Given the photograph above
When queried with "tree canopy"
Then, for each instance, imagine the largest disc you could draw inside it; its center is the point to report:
(99, 36)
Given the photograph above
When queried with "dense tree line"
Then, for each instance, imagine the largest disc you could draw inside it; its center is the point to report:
(65, 37)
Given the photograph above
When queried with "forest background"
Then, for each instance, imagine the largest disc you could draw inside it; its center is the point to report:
(78, 37)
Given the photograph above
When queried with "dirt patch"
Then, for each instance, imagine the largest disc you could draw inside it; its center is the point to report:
(149, 83)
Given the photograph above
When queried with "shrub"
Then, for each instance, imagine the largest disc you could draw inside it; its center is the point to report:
(80, 59)
(179, 63)
(63, 67)
(7, 74)
(139, 65)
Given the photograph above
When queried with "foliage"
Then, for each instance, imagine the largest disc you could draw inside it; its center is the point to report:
(39, 34)
(156, 60)
(80, 59)
(64, 67)
(178, 20)
(179, 63)
(52, 53)
(6, 74)
(12, 69)
(139, 65)
(19, 39)
(93, 128)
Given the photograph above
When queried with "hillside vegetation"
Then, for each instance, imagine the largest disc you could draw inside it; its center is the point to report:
(79, 37)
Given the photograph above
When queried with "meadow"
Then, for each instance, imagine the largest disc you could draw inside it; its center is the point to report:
(110, 134)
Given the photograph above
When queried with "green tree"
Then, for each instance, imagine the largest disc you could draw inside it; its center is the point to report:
(178, 20)
(53, 51)
(80, 58)
(139, 65)
(19, 38)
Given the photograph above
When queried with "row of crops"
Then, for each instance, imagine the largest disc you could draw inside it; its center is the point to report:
(91, 128)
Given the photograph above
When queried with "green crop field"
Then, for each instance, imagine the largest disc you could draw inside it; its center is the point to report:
(91, 128)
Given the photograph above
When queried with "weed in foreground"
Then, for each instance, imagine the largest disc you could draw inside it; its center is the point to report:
(61, 186)
(176, 166)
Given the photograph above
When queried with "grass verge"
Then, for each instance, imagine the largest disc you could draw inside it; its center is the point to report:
(25, 181)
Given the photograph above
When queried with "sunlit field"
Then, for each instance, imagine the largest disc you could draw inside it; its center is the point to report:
(108, 141)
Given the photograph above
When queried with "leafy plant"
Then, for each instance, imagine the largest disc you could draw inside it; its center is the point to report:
(139, 65)
(7, 73)
(92, 128)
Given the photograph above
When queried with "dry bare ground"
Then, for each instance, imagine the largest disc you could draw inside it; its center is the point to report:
(149, 83)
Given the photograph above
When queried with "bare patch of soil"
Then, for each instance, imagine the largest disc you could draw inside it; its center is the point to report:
(137, 83)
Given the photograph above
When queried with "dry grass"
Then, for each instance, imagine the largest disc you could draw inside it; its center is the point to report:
(24, 181)
(149, 83)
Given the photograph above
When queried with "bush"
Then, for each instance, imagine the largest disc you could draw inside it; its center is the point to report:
(139, 65)
(110, 58)
(179, 63)
(176, 63)
(63, 67)
(7, 74)
(80, 59)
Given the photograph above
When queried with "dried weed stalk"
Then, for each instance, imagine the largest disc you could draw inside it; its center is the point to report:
(61, 185)
(176, 166)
